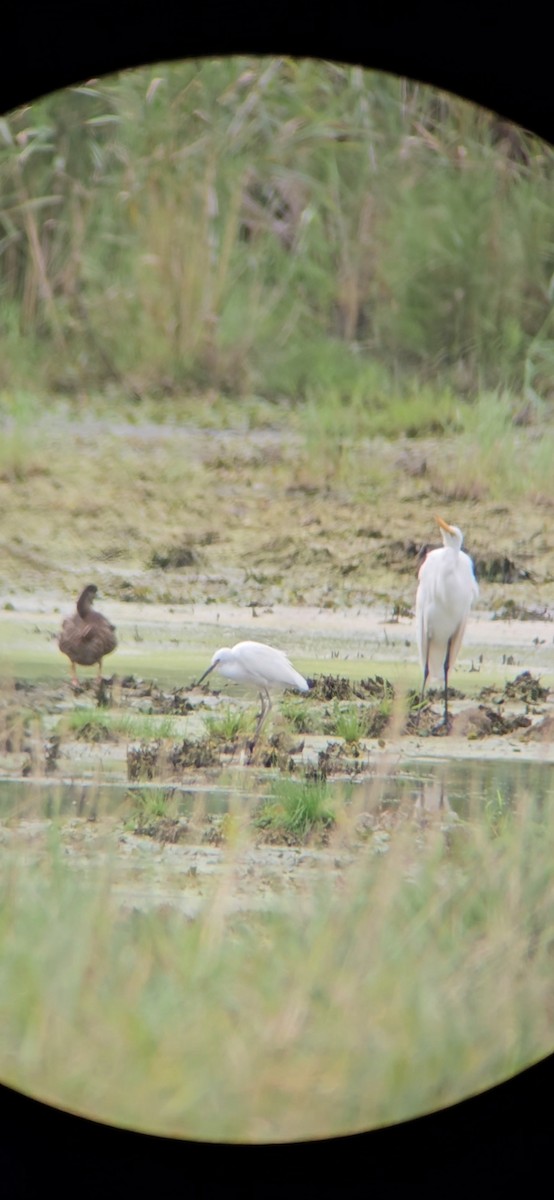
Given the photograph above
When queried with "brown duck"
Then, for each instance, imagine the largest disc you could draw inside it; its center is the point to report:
(86, 636)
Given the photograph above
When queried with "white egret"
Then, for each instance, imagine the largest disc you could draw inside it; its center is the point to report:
(446, 590)
(261, 666)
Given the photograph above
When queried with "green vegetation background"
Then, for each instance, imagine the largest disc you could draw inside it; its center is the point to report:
(277, 228)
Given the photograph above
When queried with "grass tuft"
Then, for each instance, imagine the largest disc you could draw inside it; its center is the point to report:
(230, 726)
(296, 809)
(92, 723)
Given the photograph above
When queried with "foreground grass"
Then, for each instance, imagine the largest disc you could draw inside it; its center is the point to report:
(358, 1006)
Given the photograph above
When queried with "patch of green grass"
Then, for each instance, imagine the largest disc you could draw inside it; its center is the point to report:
(21, 437)
(348, 722)
(301, 718)
(231, 725)
(78, 720)
(333, 418)
(295, 809)
(145, 726)
(355, 721)
(151, 802)
(126, 725)
(497, 812)
(495, 458)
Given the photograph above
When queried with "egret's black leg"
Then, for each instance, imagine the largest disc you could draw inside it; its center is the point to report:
(425, 677)
(260, 715)
(264, 700)
(446, 666)
(266, 705)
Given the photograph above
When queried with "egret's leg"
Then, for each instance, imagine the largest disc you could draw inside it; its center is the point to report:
(446, 666)
(266, 705)
(261, 713)
(425, 677)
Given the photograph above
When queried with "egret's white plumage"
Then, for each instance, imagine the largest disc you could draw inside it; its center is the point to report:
(446, 590)
(261, 666)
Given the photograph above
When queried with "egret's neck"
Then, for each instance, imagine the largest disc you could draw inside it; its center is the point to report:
(453, 545)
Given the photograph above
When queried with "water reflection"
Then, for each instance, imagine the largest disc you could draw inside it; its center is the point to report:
(455, 786)
(460, 787)
(433, 796)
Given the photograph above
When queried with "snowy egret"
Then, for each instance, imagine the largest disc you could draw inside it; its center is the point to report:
(259, 665)
(446, 590)
(86, 636)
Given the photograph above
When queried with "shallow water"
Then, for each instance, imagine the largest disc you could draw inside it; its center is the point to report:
(452, 784)
(465, 786)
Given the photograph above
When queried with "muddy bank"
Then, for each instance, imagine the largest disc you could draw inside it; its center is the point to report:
(151, 874)
(173, 514)
(134, 730)
(178, 820)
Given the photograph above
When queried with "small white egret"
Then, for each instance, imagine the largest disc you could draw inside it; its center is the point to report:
(446, 590)
(259, 665)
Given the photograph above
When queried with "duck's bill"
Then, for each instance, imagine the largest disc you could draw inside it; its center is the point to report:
(204, 676)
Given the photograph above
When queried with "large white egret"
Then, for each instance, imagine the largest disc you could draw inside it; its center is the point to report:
(446, 590)
(260, 666)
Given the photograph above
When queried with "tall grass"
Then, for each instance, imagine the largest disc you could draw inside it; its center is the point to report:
(268, 225)
(21, 442)
(494, 456)
(361, 1002)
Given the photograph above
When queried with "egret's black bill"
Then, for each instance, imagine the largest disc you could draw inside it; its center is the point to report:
(201, 680)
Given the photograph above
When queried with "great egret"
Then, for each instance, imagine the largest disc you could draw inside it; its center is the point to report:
(86, 636)
(446, 590)
(260, 666)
